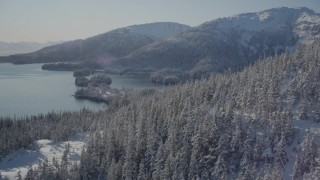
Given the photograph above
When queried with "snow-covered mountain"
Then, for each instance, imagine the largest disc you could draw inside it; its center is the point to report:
(231, 42)
(104, 47)
(302, 23)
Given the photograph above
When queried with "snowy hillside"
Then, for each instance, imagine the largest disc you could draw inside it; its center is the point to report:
(307, 27)
(271, 19)
(227, 43)
(261, 123)
(44, 150)
(303, 22)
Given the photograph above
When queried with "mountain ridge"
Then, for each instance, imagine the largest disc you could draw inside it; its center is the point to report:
(105, 46)
(224, 43)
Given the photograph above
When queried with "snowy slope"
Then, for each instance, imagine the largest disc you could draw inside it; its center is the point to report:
(301, 24)
(304, 22)
(271, 19)
(302, 129)
(307, 27)
(44, 149)
(231, 42)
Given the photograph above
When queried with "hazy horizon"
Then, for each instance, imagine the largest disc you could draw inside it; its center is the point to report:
(43, 21)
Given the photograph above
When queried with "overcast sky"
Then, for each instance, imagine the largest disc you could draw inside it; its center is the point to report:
(55, 20)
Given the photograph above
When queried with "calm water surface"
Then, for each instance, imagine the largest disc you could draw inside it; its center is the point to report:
(29, 90)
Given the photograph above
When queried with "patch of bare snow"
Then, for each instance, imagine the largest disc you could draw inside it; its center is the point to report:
(22, 159)
(264, 16)
(307, 27)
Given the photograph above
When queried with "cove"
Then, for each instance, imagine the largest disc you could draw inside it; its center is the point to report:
(28, 90)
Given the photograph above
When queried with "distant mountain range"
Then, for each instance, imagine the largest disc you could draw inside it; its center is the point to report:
(226, 43)
(103, 47)
(10, 48)
(180, 52)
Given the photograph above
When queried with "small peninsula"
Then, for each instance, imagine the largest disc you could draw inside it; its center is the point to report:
(96, 88)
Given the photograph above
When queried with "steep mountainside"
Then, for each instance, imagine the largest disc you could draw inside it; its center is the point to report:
(103, 47)
(232, 42)
(261, 123)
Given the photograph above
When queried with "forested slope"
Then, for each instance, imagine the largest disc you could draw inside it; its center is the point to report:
(225, 43)
(17, 133)
(261, 123)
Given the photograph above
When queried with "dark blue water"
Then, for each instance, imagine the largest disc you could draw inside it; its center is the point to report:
(29, 90)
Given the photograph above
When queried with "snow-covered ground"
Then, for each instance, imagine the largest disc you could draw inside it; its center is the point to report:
(44, 149)
(302, 128)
